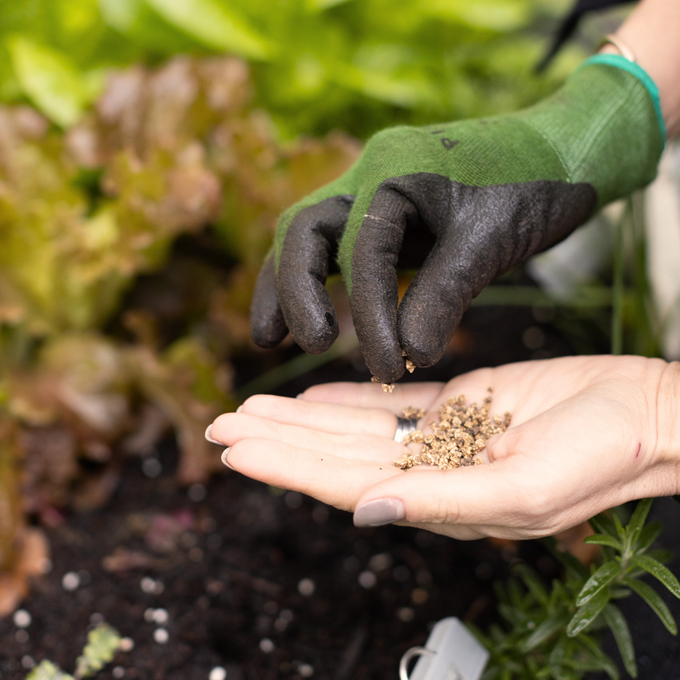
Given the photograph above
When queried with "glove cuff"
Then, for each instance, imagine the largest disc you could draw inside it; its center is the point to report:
(618, 61)
(605, 126)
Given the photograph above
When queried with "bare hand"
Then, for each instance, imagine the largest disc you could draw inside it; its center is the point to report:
(588, 433)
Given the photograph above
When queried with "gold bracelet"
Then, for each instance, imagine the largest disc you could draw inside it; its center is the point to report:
(621, 46)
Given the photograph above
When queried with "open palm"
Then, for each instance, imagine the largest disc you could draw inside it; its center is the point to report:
(585, 436)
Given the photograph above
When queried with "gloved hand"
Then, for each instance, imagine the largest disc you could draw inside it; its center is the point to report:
(487, 194)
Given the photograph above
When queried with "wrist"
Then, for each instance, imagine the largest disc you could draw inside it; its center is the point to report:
(650, 32)
(668, 427)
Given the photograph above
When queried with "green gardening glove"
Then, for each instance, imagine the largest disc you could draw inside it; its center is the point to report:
(481, 196)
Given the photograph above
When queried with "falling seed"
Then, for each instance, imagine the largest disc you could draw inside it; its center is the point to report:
(27, 661)
(306, 587)
(161, 636)
(22, 619)
(367, 579)
(218, 673)
(70, 581)
(118, 672)
(267, 646)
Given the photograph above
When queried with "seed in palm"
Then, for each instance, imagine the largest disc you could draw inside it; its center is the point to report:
(462, 432)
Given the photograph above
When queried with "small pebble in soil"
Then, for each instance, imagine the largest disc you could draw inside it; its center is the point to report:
(126, 644)
(197, 492)
(401, 573)
(367, 579)
(380, 562)
(84, 577)
(70, 581)
(22, 619)
(286, 615)
(148, 614)
(152, 467)
(44, 565)
(118, 672)
(483, 571)
(21, 636)
(218, 673)
(271, 607)
(306, 587)
(267, 646)
(424, 578)
(161, 636)
(419, 596)
(150, 586)
(305, 670)
(27, 661)
(320, 514)
(280, 625)
(96, 618)
(293, 499)
(160, 616)
(405, 614)
(351, 564)
(214, 542)
(196, 555)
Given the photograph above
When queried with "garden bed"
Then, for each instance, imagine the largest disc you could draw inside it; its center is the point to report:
(269, 584)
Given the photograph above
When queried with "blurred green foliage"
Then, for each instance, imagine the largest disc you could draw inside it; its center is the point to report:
(357, 65)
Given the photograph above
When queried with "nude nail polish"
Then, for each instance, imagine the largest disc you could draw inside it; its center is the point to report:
(209, 437)
(379, 512)
(225, 455)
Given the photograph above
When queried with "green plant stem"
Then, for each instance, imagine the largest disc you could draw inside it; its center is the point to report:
(296, 367)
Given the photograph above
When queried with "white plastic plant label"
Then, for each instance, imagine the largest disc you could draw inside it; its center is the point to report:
(451, 652)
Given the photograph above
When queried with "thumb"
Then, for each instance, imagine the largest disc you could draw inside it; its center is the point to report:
(462, 500)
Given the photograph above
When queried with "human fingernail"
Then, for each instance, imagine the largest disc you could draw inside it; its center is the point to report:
(379, 512)
(239, 409)
(225, 455)
(209, 437)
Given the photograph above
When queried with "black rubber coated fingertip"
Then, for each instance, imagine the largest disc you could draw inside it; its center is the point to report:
(424, 344)
(267, 325)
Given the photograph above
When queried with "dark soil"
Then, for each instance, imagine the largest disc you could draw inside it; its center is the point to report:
(269, 584)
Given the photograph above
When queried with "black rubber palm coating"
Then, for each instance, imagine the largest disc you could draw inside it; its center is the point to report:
(308, 252)
(267, 325)
(480, 233)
